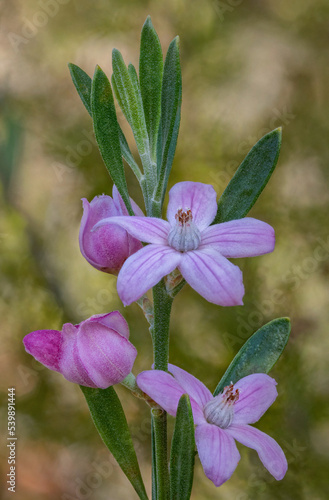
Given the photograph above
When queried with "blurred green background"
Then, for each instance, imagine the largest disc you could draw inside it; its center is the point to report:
(248, 67)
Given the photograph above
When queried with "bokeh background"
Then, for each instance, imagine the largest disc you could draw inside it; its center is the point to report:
(248, 67)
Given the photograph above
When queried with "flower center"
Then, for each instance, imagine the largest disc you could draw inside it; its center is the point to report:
(184, 235)
(220, 410)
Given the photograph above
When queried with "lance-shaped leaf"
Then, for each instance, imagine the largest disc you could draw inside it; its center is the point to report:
(110, 421)
(127, 92)
(150, 76)
(250, 178)
(106, 129)
(259, 353)
(82, 83)
(170, 115)
(182, 452)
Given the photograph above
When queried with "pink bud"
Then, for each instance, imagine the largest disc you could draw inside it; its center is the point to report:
(95, 353)
(107, 248)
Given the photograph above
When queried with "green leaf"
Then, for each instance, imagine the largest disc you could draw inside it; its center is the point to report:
(110, 421)
(150, 76)
(250, 179)
(170, 115)
(126, 89)
(259, 353)
(182, 452)
(82, 83)
(107, 131)
(128, 156)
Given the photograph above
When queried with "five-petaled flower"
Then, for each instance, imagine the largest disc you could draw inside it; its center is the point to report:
(107, 249)
(188, 242)
(94, 353)
(222, 419)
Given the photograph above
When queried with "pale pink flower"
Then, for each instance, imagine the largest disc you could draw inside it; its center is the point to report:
(94, 353)
(188, 241)
(108, 248)
(222, 419)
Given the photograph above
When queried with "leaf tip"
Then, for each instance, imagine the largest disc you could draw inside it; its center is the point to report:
(148, 22)
(98, 69)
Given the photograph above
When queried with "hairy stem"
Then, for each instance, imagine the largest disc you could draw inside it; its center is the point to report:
(162, 308)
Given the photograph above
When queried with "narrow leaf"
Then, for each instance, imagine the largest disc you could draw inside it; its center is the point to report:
(259, 353)
(182, 452)
(107, 129)
(170, 114)
(128, 156)
(250, 179)
(150, 76)
(82, 83)
(127, 93)
(110, 421)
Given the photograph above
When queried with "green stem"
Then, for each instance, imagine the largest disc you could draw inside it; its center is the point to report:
(162, 308)
(154, 478)
(161, 454)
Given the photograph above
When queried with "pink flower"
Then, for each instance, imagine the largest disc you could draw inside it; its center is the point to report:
(222, 419)
(107, 249)
(188, 242)
(95, 353)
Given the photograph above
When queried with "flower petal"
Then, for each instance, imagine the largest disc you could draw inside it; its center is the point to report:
(113, 320)
(148, 229)
(145, 269)
(120, 204)
(256, 394)
(93, 247)
(217, 451)
(166, 392)
(199, 198)
(107, 356)
(70, 363)
(45, 346)
(213, 276)
(269, 452)
(191, 385)
(240, 238)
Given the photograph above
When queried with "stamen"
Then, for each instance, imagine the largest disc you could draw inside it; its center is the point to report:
(184, 236)
(220, 410)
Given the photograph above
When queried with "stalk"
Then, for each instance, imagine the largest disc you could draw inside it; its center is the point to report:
(162, 309)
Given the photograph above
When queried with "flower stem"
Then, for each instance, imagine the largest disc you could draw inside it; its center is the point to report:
(162, 308)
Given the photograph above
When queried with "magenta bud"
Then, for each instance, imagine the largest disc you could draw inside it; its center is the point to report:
(110, 246)
(95, 353)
